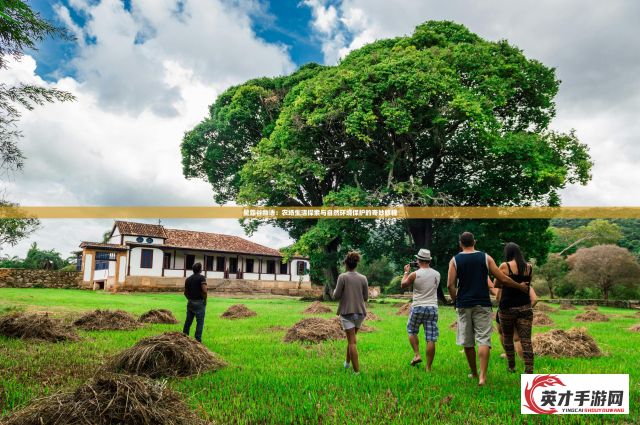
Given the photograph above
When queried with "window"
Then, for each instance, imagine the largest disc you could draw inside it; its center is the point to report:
(249, 265)
(208, 263)
(302, 268)
(146, 259)
(167, 261)
(149, 240)
(219, 264)
(102, 259)
(283, 268)
(139, 239)
(189, 259)
(271, 267)
(233, 265)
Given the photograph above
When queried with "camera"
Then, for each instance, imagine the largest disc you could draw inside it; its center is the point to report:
(413, 264)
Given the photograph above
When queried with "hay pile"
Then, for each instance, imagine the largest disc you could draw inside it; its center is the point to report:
(404, 310)
(107, 320)
(635, 328)
(567, 306)
(591, 307)
(167, 354)
(560, 343)
(109, 399)
(591, 316)
(314, 330)
(372, 316)
(317, 308)
(541, 319)
(238, 311)
(158, 316)
(36, 326)
(543, 307)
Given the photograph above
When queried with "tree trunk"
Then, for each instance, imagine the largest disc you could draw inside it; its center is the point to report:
(330, 269)
(421, 232)
(550, 290)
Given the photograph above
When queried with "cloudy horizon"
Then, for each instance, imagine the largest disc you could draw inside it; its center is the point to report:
(145, 71)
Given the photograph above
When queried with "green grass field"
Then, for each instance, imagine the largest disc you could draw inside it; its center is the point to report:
(268, 381)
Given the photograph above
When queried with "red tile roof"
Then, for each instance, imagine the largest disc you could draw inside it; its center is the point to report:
(141, 229)
(216, 242)
(189, 239)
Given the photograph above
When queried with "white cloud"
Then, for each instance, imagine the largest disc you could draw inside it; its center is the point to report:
(588, 42)
(143, 79)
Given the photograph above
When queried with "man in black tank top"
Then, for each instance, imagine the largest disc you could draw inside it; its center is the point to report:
(467, 283)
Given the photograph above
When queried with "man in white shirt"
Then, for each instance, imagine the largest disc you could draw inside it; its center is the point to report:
(424, 308)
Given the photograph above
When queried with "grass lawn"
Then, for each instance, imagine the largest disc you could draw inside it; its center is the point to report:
(268, 381)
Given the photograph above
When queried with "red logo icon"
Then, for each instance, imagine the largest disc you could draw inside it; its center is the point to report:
(540, 381)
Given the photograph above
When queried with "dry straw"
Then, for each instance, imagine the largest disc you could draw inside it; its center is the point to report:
(36, 326)
(165, 355)
(238, 311)
(109, 399)
(404, 310)
(591, 316)
(314, 330)
(372, 316)
(544, 307)
(571, 343)
(541, 319)
(162, 316)
(103, 320)
(317, 308)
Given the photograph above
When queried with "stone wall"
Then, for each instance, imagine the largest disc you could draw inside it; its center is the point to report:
(25, 278)
(222, 286)
(610, 303)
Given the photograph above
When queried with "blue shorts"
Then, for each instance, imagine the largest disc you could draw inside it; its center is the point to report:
(427, 317)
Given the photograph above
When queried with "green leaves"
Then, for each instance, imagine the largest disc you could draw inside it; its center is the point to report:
(439, 117)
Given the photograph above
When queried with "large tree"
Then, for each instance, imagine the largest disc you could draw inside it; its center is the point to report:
(603, 266)
(20, 29)
(442, 117)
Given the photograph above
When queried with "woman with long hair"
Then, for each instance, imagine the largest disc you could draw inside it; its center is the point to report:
(352, 290)
(515, 309)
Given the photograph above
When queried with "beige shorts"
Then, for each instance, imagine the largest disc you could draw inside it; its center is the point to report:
(475, 325)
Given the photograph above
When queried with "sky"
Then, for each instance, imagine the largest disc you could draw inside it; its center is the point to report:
(145, 71)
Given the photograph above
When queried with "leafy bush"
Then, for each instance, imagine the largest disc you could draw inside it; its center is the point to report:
(393, 287)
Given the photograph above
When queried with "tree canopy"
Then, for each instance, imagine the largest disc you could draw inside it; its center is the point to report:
(36, 259)
(603, 266)
(441, 117)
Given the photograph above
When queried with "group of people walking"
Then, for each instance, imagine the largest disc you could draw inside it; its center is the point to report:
(470, 288)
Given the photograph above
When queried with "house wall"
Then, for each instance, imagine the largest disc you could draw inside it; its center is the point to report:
(115, 238)
(134, 260)
(128, 238)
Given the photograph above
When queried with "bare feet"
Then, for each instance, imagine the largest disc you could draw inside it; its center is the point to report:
(482, 381)
(417, 359)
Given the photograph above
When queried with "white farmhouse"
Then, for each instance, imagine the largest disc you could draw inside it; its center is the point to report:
(140, 256)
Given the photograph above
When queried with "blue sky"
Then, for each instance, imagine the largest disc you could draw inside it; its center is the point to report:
(286, 22)
(145, 71)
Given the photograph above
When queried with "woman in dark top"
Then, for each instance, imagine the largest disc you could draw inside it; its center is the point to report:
(516, 313)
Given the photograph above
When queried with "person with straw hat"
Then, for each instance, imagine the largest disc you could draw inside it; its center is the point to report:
(424, 307)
